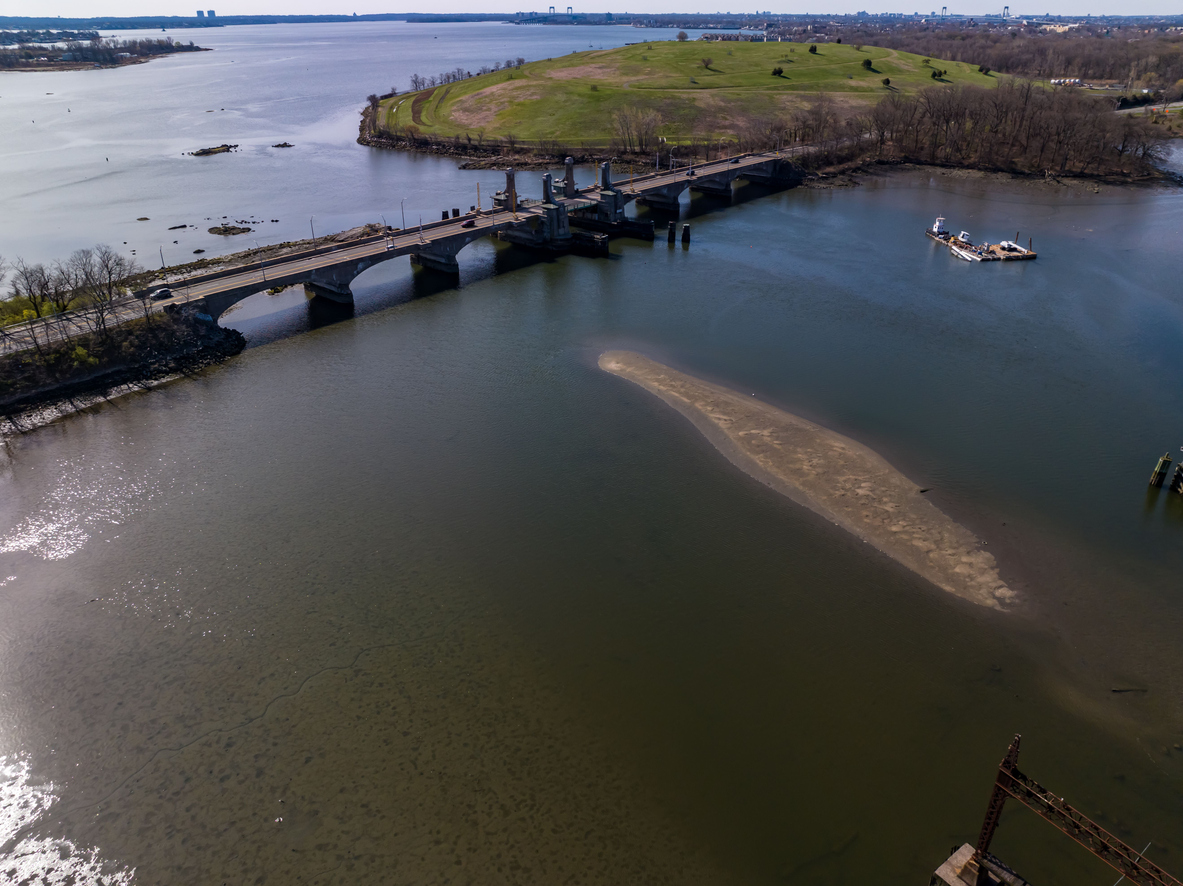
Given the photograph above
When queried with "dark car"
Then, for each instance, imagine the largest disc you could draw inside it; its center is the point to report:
(471, 223)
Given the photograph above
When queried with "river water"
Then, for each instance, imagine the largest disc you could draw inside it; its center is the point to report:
(421, 595)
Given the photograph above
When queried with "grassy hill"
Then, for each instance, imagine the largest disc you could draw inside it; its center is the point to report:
(573, 99)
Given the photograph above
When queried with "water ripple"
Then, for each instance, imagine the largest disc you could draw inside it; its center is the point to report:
(84, 499)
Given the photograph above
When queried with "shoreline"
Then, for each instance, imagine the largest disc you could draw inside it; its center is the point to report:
(836, 477)
(92, 66)
(194, 346)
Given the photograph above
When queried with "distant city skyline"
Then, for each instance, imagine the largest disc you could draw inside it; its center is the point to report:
(89, 8)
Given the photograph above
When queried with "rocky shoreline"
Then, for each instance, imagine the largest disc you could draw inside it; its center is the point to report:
(187, 346)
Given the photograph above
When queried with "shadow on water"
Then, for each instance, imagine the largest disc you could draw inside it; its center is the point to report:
(265, 318)
(325, 312)
(1153, 494)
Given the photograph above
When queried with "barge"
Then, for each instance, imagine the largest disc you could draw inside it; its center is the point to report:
(962, 247)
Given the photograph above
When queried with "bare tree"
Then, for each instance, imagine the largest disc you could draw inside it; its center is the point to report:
(683, 36)
(102, 274)
(707, 62)
(375, 104)
(31, 283)
(636, 128)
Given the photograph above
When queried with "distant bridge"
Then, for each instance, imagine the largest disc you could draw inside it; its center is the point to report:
(544, 224)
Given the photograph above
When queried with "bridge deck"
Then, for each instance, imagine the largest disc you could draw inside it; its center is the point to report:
(293, 269)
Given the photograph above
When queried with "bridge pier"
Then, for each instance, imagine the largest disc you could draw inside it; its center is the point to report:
(715, 187)
(340, 294)
(773, 173)
(667, 198)
(437, 261)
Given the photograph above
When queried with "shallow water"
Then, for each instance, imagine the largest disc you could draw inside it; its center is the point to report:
(422, 595)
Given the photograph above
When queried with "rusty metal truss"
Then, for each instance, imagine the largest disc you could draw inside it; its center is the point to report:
(1013, 783)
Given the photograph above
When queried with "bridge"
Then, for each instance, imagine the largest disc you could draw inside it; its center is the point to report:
(544, 224)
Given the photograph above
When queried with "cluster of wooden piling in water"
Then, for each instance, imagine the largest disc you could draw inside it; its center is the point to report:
(1158, 478)
(673, 233)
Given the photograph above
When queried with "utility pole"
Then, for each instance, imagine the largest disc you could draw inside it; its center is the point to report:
(262, 270)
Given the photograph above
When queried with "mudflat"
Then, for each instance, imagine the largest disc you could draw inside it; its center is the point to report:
(837, 477)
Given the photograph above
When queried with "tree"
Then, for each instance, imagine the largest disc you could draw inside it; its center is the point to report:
(31, 282)
(867, 63)
(778, 71)
(707, 62)
(887, 81)
(683, 36)
(101, 274)
(374, 104)
(813, 48)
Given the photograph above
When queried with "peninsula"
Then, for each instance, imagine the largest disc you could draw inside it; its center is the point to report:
(670, 102)
(842, 480)
(677, 90)
(71, 54)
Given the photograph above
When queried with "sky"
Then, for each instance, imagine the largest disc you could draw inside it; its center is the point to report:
(84, 8)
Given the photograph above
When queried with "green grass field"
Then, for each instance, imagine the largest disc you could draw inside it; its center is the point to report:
(572, 99)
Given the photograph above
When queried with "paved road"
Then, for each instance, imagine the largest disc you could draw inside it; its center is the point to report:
(1170, 106)
(275, 271)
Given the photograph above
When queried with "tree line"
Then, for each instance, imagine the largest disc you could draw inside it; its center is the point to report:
(93, 283)
(419, 82)
(97, 51)
(1137, 58)
(1016, 127)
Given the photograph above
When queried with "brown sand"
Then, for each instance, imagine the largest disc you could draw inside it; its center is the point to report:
(838, 478)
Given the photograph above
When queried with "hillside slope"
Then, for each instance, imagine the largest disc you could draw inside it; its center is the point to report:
(576, 99)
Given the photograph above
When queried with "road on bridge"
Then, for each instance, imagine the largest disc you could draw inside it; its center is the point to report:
(265, 274)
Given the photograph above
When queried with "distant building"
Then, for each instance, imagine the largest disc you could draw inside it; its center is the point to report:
(211, 14)
(201, 13)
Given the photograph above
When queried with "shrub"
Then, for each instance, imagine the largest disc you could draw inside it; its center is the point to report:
(887, 81)
(813, 48)
(778, 72)
(867, 63)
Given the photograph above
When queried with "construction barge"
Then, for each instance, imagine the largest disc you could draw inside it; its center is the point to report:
(963, 248)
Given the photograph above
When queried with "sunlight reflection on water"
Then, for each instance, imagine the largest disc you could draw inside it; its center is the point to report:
(84, 499)
(44, 860)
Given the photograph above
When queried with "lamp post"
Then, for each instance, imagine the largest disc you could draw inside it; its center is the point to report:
(403, 208)
(262, 270)
(311, 228)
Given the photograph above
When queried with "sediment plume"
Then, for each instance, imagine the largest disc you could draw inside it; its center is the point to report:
(842, 480)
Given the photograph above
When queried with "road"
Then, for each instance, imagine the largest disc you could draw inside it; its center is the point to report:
(286, 270)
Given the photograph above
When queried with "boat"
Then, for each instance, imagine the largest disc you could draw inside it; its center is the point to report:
(962, 246)
(937, 231)
(971, 253)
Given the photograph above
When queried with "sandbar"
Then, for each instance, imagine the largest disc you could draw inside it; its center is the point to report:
(839, 478)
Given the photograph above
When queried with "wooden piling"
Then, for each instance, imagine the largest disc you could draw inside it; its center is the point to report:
(1160, 471)
(1177, 480)
(685, 235)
